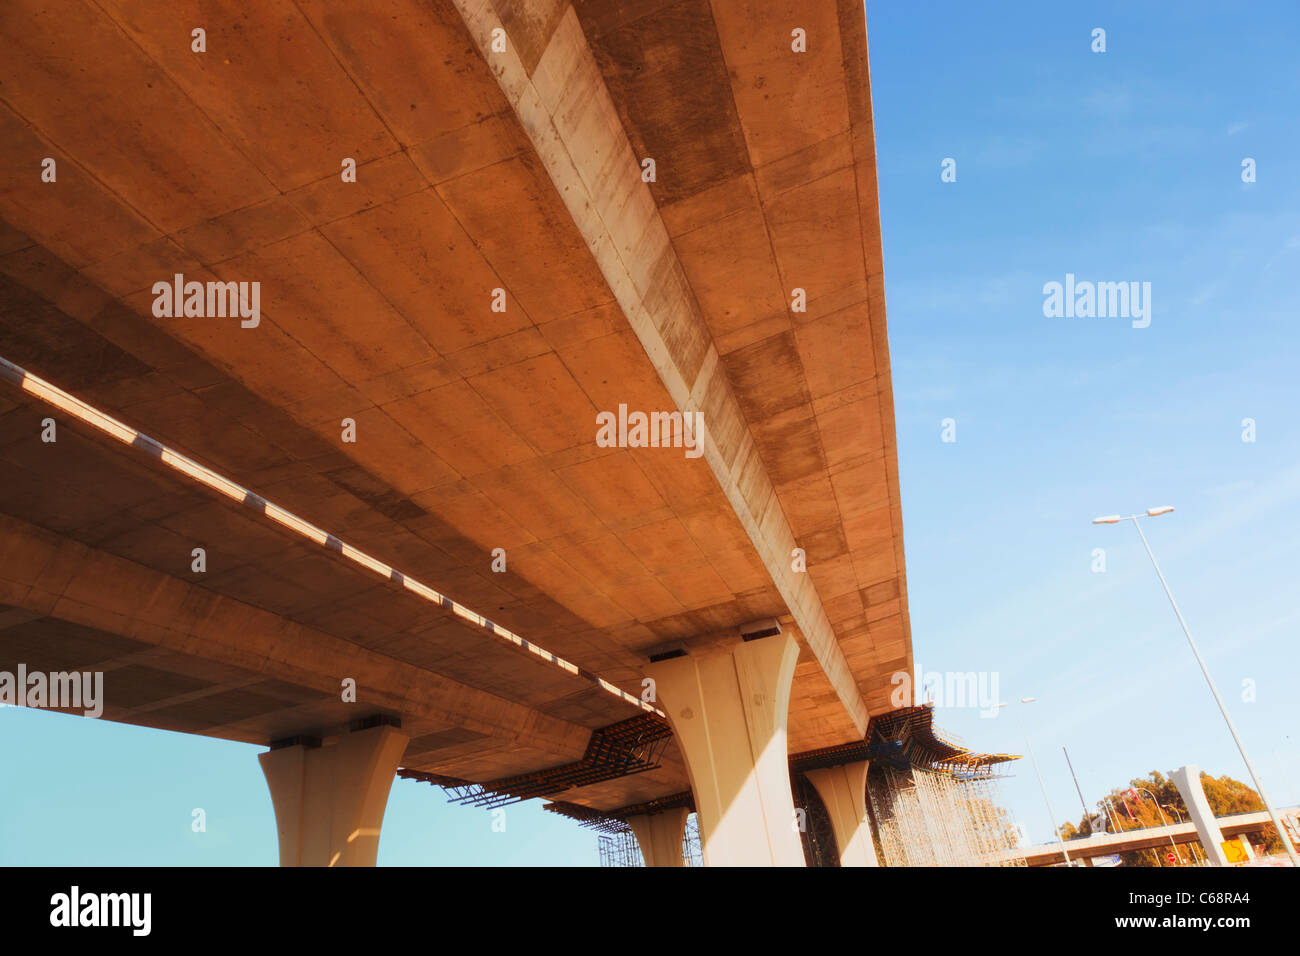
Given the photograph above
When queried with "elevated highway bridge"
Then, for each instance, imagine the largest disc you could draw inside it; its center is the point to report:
(475, 225)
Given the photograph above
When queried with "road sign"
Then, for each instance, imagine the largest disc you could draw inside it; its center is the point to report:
(1170, 857)
(1234, 851)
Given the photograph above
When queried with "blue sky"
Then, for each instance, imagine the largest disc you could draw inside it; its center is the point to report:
(1115, 167)
(1123, 165)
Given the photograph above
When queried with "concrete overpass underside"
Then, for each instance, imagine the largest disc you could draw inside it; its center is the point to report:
(743, 282)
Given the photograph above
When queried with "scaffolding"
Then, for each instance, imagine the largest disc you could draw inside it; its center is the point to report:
(931, 801)
(815, 830)
(940, 817)
(620, 848)
(692, 852)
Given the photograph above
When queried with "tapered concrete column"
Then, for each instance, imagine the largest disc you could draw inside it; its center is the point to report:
(660, 836)
(1188, 781)
(728, 712)
(329, 800)
(843, 790)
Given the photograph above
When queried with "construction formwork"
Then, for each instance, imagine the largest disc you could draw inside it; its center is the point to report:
(930, 817)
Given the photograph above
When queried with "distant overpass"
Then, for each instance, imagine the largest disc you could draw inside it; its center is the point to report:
(1103, 844)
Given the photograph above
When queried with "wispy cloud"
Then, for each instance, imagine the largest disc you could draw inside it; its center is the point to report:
(1207, 293)
(1231, 488)
(1288, 247)
(1108, 100)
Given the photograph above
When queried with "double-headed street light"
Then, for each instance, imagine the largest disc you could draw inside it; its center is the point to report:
(1259, 788)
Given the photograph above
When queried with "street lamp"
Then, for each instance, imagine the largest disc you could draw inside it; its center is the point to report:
(1116, 820)
(1259, 788)
(1051, 817)
(1165, 821)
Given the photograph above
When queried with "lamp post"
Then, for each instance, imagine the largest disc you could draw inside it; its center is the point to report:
(1087, 817)
(1051, 817)
(1191, 847)
(1114, 815)
(1165, 821)
(1259, 788)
